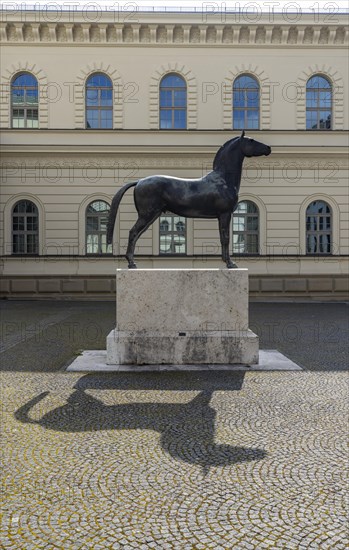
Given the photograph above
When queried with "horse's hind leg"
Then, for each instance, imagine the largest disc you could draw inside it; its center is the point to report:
(224, 226)
(141, 225)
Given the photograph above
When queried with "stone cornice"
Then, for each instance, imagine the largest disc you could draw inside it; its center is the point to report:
(146, 141)
(170, 31)
(166, 161)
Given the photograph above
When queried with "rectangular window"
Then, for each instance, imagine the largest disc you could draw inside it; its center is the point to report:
(92, 98)
(106, 119)
(92, 119)
(179, 119)
(18, 97)
(31, 244)
(18, 118)
(172, 235)
(165, 119)
(180, 98)
(92, 244)
(166, 98)
(106, 98)
(238, 98)
(18, 244)
(238, 120)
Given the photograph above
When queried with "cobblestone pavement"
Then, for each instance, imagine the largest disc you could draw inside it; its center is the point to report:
(204, 460)
(175, 460)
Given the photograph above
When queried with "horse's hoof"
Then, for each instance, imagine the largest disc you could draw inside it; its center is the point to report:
(132, 266)
(232, 265)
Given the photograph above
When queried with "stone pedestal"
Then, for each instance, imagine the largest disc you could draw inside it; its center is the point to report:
(182, 317)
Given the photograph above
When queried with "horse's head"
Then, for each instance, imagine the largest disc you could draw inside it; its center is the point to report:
(252, 148)
(233, 152)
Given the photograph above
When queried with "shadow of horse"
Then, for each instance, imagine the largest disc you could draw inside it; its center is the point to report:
(187, 430)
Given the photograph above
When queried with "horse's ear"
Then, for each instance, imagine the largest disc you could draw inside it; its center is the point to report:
(242, 134)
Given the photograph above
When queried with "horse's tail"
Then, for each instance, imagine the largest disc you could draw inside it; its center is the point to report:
(22, 414)
(114, 209)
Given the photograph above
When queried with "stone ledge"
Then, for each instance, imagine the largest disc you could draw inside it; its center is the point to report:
(212, 347)
(305, 287)
(95, 361)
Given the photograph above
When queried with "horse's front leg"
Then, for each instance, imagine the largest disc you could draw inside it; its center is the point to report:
(224, 226)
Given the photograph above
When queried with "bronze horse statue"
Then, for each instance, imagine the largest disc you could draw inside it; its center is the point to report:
(213, 196)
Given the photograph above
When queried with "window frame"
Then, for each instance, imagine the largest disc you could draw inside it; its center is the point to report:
(99, 232)
(25, 232)
(173, 108)
(25, 106)
(246, 232)
(172, 233)
(98, 108)
(245, 109)
(318, 109)
(319, 232)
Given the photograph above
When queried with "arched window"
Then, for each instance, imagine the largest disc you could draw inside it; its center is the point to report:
(96, 228)
(99, 102)
(173, 238)
(319, 228)
(25, 228)
(246, 228)
(319, 103)
(173, 102)
(25, 101)
(246, 95)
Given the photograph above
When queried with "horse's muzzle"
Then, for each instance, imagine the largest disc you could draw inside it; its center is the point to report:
(268, 151)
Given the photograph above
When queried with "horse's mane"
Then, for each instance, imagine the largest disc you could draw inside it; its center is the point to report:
(221, 150)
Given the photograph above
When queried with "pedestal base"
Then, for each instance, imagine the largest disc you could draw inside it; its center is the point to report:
(96, 361)
(211, 347)
(182, 317)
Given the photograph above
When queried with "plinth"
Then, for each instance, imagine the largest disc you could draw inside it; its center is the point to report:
(182, 317)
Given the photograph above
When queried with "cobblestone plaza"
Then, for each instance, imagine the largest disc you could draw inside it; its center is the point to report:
(245, 460)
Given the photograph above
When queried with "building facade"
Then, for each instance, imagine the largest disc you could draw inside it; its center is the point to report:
(92, 100)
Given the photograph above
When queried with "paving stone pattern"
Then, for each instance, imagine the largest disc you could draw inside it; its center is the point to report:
(195, 460)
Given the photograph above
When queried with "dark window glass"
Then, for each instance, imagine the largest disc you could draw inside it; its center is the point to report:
(318, 228)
